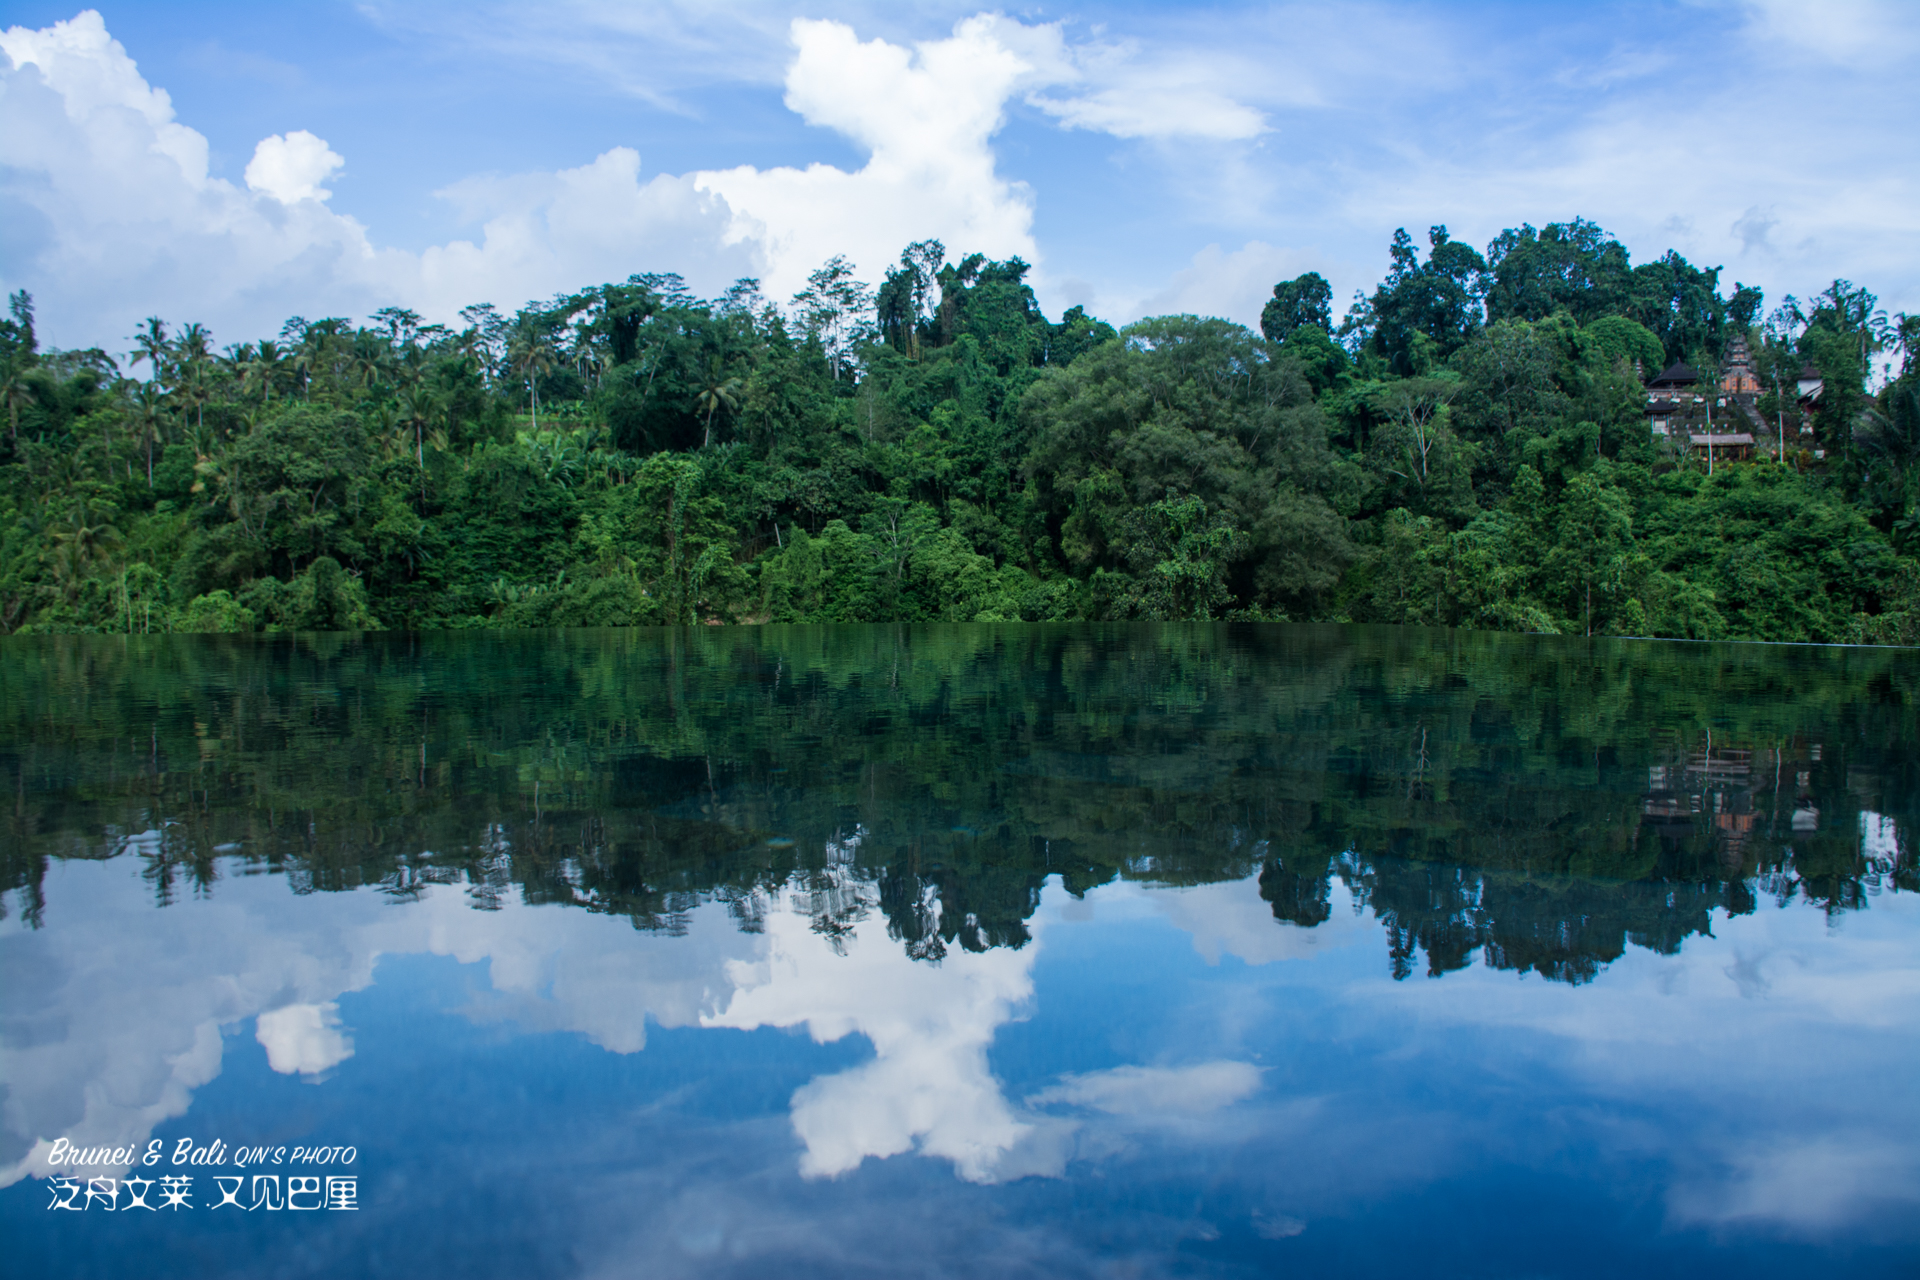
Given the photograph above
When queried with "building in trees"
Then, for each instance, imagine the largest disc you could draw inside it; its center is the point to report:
(1718, 421)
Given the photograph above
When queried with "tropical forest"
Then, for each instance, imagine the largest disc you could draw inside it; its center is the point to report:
(1470, 445)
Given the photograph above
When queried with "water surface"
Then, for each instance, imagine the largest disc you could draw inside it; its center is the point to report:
(977, 950)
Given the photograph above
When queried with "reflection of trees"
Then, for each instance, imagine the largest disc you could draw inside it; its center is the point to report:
(1541, 802)
(1565, 928)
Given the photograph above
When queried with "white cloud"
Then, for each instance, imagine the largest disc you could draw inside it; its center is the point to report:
(123, 220)
(544, 232)
(96, 80)
(118, 217)
(303, 1039)
(1145, 111)
(291, 167)
(926, 116)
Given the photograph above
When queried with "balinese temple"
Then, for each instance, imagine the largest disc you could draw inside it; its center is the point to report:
(1736, 371)
(1670, 397)
(1718, 422)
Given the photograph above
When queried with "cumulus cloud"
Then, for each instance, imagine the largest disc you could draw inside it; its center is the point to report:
(115, 214)
(96, 81)
(290, 167)
(926, 116)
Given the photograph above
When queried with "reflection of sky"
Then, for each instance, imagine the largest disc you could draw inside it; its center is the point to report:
(1166, 1079)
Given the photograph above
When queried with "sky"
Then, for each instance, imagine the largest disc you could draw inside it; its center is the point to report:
(237, 164)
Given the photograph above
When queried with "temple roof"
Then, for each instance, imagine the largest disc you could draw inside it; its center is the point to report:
(1676, 374)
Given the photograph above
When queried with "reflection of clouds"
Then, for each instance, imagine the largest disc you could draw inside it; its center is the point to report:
(114, 1009)
(561, 969)
(1232, 918)
(303, 1038)
(1156, 1091)
(928, 1086)
(113, 1016)
(113, 1012)
(1805, 1187)
(119, 1018)
(1733, 1027)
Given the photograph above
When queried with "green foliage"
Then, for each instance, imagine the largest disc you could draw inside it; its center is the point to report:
(1470, 447)
(215, 612)
(1615, 339)
(1574, 267)
(1303, 302)
(1425, 311)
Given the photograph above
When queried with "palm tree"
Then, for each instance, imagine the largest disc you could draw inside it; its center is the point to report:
(194, 361)
(720, 392)
(366, 364)
(151, 344)
(531, 356)
(420, 406)
(149, 415)
(86, 538)
(385, 420)
(16, 393)
(262, 367)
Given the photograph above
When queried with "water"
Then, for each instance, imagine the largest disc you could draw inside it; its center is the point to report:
(970, 951)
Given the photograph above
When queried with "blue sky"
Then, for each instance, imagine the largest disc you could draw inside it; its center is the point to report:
(236, 164)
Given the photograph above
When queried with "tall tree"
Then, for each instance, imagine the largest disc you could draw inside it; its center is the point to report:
(1425, 311)
(531, 356)
(1573, 266)
(151, 345)
(1303, 300)
(833, 310)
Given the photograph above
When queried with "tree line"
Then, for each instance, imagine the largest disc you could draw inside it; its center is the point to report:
(1467, 446)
